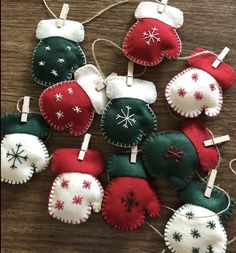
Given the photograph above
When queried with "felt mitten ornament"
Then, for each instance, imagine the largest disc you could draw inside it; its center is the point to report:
(22, 152)
(129, 195)
(71, 105)
(198, 88)
(176, 154)
(194, 229)
(58, 54)
(154, 35)
(76, 191)
(128, 117)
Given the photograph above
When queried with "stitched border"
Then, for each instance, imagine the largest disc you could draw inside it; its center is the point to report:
(204, 108)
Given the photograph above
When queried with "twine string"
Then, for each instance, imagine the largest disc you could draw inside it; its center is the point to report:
(19, 102)
(231, 167)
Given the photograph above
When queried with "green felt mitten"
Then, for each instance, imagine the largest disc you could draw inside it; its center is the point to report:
(58, 54)
(193, 193)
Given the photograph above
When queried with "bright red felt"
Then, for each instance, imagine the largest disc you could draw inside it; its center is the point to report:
(70, 100)
(197, 133)
(66, 160)
(224, 74)
(126, 201)
(136, 46)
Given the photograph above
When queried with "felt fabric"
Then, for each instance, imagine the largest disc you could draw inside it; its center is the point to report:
(67, 106)
(224, 73)
(126, 120)
(66, 161)
(185, 233)
(71, 30)
(35, 125)
(126, 200)
(154, 35)
(193, 193)
(194, 91)
(22, 155)
(73, 197)
(55, 59)
(197, 133)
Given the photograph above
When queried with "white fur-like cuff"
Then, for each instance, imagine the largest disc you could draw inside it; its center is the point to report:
(171, 16)
(71, 30)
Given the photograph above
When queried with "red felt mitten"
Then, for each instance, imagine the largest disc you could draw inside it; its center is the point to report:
(154, 35)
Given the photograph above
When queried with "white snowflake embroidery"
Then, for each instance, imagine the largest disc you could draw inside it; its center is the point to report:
(41, 63)
(60, 60)
(47, 48)
(68, 47)
(151, 36)
(126, 118)
(59, 114)
(54, 72)
(59, 97)
(70, 91)
(77, 109)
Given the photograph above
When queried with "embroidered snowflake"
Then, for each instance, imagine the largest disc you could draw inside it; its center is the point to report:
(54, 72)
(59, 97)
(195, 250)
(76, 109)
(70, 91)
(189, 215)
(59, 205)
(87, 184)
(60, 60)
(16, 155)
(68, 47)
(211, 224)
(59, 114)
(65, 183)
(177, 237)
(151, 36)
(176, 153)
(198, 95)
(182, 92)
(47, 48)
(210, 249)
(41, 63)
(129, 201)
(126, 118)
(195, 77)
(77, 200)
(195, 233)
(212, 86)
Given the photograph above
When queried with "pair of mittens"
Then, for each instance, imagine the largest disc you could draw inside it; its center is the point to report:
(76, 191)
(128, 117)
(198, 88)
(176, 154)
(22, 152)
(71, 105)
(129, 196)
(154, 35)
(58, 54)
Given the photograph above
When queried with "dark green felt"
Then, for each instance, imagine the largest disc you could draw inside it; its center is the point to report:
(115, 133)
(193, 193)
(120, 166)
(155, 149)
(73, 59)
(35, 125)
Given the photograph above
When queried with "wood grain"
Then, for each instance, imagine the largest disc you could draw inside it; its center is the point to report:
(26, 225)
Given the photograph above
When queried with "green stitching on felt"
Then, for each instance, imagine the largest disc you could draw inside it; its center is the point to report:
(177, 237)
(193, 193)
(195, 233)
(119, 165)
(179, 169)
(16, 155)
(55, 60)
(126, 120)
(35, 125)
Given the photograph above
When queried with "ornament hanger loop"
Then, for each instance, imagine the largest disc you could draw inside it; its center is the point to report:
(195, 55)
(22, 99)
(231, 167)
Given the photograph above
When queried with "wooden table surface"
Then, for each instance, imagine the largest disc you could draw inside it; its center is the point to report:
(26, 224)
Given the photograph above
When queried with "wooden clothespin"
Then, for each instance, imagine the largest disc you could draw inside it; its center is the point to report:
(220, 57)
(84, 147)
(25, 109)
(210, 183)
(130, 73)
(162, 6)
(217, 140)
(134, 152)
(63, 16)
(100, 86)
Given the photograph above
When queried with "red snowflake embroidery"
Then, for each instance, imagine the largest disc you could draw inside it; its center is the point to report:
(198, 95)
(59, 205)
(195, 77)
(77, 200)
(176, 153)
(87, 184)
(65, 183)
(212, 86)
(181, 92)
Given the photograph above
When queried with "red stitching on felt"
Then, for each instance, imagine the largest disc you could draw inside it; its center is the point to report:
(176, 153)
